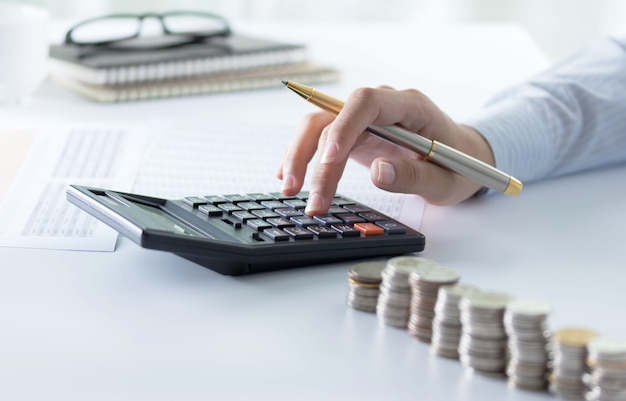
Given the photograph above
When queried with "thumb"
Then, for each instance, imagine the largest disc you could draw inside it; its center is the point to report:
(435, 184)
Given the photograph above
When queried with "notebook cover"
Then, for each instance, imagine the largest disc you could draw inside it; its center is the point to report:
(113, 66)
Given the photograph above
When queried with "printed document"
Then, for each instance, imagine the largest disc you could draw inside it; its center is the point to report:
(168, 159)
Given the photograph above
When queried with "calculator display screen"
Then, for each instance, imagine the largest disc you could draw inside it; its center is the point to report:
(160, 220)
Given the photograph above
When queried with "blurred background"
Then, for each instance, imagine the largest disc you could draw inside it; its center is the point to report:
(558, 26)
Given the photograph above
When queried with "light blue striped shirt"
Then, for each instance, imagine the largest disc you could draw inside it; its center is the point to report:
(570, 118)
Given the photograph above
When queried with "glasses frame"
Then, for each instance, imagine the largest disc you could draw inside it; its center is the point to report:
(192, 36)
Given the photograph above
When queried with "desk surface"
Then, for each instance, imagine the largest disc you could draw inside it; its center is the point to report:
(136, 324)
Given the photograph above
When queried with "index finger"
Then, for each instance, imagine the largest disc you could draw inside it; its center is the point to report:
(364, 106)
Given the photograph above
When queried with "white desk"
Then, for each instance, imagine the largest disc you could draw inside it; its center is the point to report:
(144, 325)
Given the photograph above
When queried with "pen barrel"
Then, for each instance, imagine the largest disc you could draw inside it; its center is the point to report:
(402, 137)
(472, 168)
(450, 158)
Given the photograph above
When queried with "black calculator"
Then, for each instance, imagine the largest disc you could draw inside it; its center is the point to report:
(237, 234)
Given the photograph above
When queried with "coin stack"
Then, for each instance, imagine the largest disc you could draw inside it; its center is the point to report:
(569, 354)
(447, 321)
(425, 283)
(483, 344)
(395, 291)
(607, 360)
(525, 322)
(363, 285)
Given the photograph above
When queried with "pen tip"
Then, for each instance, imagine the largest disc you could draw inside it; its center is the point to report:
(284, 82)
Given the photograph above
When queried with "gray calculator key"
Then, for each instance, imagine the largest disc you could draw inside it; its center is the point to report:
(276, 234)
(391, 227)
(299, 233)
(323, 231)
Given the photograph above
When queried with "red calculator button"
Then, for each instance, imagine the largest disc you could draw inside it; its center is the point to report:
(369, 228)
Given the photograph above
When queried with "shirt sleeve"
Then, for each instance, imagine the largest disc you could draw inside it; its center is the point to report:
(570, 118)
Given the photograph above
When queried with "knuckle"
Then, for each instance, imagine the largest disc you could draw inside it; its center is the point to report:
(315, 119)
(364, 95)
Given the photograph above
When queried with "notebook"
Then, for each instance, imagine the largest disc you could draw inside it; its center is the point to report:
(114, 66)
(249, 79)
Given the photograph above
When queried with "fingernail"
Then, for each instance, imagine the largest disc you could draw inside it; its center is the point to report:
(386, 173)
(330, 153)
(314, 203)
(289, 182)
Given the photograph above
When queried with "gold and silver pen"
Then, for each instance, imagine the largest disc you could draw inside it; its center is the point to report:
(432, 150)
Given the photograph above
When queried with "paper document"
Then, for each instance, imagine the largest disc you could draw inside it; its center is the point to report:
(37, 165)
(171, 159)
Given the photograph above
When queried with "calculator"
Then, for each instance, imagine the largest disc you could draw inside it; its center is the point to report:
(236, 234)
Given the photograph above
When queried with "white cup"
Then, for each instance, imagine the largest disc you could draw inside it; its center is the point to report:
(24, 50)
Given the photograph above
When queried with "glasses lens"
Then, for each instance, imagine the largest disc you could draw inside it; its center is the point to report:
(190, 24)
(105, 30)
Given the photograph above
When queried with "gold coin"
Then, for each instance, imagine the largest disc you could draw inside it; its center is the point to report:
(574, 336)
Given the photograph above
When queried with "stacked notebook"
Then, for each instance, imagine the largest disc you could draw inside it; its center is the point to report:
(234, 63)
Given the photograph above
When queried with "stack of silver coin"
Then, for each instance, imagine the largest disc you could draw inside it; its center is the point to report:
(363, 285)
(425, 284)
(607, 361)
(447, 321)
(525, 322)
(395, 291)
(569, 362)
(483, 344)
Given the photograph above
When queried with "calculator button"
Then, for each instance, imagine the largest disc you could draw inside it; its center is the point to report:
(391, 227)
(303, 195)
(258, 224)
(287, 212)
(295, 203)
(210, 210)
(250, 206)
(299, 233)
(236, 198)
(243, 215)
(357, 208)
(304, 221)
(346, 230)
(280, 196)
(373, 217)
(280, 222)
(229, 207)
(276, 234)
(336, 210)
(338, 201)
(194, 201)
(273, 204)
(323, 231)
(328, 220)
(369, 229)
(215, 199)
(259, 197)
(264, 214)
(350, 218)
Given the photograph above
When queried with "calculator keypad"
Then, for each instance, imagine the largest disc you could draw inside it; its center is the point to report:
(276, 217)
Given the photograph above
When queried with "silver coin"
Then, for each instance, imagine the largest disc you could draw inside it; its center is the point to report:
(394, 299)
(603, 349)
(367, 272)
(408, 264)
(485, 300)
(436, 274)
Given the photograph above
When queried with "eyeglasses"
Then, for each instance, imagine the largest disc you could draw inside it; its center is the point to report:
(124, 30)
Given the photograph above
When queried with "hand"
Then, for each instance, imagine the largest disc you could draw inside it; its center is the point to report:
(392, 168)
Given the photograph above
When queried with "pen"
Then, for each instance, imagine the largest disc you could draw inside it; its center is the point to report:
(432, 150)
